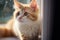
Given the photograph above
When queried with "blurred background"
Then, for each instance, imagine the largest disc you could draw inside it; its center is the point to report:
(6, 9)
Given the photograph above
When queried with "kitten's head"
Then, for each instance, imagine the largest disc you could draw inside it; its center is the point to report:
(26, 12)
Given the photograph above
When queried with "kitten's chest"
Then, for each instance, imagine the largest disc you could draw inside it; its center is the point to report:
(27, 29)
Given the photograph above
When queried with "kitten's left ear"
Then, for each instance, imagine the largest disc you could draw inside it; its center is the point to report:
(17, 4)
(33, 4)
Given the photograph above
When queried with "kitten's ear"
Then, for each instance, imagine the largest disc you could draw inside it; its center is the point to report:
(17, 4)
(33, 4)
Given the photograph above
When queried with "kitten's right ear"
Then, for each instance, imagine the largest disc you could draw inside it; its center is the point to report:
(34, 4)
(17, 4)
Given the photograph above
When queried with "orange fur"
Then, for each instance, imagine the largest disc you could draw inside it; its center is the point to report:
(6, 30)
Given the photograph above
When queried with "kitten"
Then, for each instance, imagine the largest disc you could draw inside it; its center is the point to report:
(25, 23)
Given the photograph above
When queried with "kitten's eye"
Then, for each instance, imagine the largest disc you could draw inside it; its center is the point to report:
(18, 13)
(25, 13)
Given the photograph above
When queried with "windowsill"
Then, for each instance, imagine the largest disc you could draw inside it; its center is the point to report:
(9, 38)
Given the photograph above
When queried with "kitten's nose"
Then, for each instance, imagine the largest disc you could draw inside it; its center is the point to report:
(21, 17)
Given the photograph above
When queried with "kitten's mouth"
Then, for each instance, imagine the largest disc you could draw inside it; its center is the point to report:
(20, 18)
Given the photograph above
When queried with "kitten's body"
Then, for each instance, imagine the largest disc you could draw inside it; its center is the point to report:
(25, 26)
(27, 29)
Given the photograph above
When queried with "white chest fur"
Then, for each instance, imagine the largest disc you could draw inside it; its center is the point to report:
(27, 29)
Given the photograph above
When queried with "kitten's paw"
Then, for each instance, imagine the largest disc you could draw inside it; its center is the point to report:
(24, 37)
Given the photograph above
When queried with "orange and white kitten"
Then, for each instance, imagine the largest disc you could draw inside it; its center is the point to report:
(25, 23)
